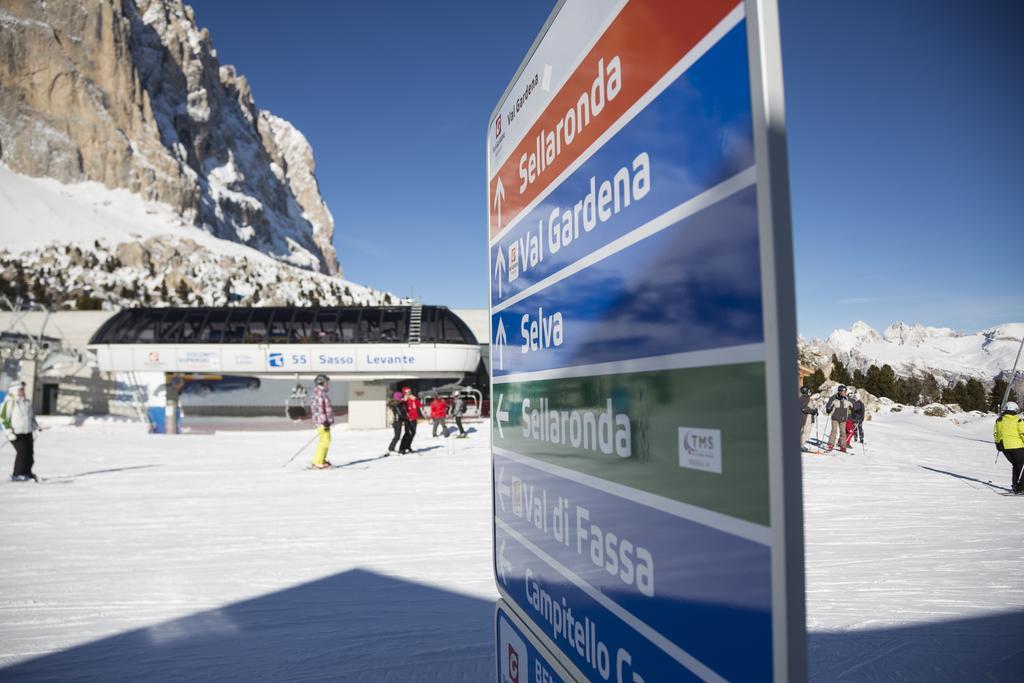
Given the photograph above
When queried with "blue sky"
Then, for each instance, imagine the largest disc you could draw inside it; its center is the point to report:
(904, 132)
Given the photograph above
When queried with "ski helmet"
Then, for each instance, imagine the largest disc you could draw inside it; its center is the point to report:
(406, 390)
(804, 391)
(397, 395)
(456, 393)
(321, 380)
(841, 387)
(1011, 407)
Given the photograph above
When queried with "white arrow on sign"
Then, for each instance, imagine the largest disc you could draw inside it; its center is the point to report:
(499, 197)
(503, 563)
(502, 416)
(503, 488)
(500, 339)
(499, 268)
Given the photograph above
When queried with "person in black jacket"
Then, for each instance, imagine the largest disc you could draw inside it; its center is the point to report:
(857, 415)
(399, 418)
(458, 408)
(838, 410)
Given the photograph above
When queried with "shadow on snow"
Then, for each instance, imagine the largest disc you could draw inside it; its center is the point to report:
(986, 648)
(966, 478)
(353, 626)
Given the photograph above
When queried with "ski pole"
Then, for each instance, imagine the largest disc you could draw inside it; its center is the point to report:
(300, 450)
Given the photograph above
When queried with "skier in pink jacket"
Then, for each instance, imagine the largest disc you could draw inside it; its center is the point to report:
(323, 418)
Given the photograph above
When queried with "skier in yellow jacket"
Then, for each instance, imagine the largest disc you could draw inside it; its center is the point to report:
(1009, 437)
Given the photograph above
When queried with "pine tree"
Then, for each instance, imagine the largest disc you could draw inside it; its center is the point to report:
(930, 392)
(955, 394)
(887, 382)
(871, 380)
(909, 390)
(858, 378)
(974, 395)
(839, 372)
(814, 381)
(995, 397)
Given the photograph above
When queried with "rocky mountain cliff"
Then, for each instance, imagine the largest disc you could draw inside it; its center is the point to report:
(130, 94)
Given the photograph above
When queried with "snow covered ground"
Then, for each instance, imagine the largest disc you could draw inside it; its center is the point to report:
(201, 557)
(915, 559)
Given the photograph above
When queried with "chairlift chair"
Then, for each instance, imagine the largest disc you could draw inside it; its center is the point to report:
(473, 397)
(296, 407)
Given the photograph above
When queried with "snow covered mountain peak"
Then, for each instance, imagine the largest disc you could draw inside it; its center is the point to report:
(945, 353)
(859, 333)
(916, 334)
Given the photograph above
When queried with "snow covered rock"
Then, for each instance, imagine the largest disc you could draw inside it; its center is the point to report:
(86, 246)
(130, 94)
(919, 350)
(935, 410)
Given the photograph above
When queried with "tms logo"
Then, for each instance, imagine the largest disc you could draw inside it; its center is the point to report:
(276, 360)
(700, 449)
(696, 443)
(154, 356)
(513, 664)
(497, 127)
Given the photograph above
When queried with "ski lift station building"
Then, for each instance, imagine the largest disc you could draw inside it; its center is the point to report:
(369, 348)
(366, 351)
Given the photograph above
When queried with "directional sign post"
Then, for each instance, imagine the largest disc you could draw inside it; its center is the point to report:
(647, 504)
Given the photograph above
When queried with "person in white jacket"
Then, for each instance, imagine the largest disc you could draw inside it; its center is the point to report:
(18, 422)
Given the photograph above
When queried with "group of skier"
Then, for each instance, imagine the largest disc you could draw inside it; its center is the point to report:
(406, 409)
(846, 412)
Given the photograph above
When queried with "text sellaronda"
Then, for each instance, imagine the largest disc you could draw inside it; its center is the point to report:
(549, 144)
(604, 431)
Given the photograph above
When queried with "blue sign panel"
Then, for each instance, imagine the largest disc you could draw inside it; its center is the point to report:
(519, 659)
(628, 553)
(598, 641)
(700, 288)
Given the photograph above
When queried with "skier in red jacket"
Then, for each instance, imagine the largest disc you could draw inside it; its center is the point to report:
(438, 413)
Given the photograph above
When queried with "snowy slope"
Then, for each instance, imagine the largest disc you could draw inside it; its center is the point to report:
(37, 211)
(918, 349)
(913, 555)
(201, 557)
(149, 247)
